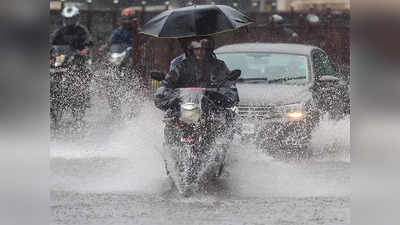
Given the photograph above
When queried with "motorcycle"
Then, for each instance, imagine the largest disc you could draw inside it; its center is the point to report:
(120, 55)
(198, 130)
(69, 83)
(118, 80)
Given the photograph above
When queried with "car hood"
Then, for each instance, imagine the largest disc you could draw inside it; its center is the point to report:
(272, 94)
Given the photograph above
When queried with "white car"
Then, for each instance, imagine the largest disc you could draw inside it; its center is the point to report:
(283, 90)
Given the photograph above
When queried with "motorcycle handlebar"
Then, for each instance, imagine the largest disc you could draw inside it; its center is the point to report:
(220, 97)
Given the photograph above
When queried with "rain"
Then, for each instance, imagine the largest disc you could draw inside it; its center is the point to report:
(112, 163)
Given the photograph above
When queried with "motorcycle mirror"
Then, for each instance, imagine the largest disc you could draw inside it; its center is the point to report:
(234, 75)
(157, 75)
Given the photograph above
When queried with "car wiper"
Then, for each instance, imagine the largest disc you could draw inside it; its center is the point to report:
(286, 79)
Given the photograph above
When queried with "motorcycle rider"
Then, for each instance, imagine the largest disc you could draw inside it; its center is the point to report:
(77, 36)
(72, 33)
(123, 34)
(278, 28)
(200, 68)
(185, 43)
(121, 38)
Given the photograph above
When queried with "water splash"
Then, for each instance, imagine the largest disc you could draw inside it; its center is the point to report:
(254, 174)
(331, 140)
(126, 158)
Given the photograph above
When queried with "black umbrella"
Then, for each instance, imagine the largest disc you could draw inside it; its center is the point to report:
(199, 20)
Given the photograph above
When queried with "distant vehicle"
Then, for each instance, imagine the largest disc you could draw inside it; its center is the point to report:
(284, 89)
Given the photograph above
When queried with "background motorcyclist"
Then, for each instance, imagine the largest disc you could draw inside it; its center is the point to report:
(122, 82)
(284, 33)
(72, 33)
(123, 34)
(78, 38)
(121, 38)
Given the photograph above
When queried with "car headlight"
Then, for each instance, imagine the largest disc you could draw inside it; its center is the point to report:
(59, 60)
(190, 113)
(117, 58)
(293, 111)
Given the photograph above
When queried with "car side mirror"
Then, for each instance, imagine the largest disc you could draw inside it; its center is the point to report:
(234, 75)
(157, 75)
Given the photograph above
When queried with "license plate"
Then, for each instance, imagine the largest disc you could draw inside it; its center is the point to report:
(248, 128)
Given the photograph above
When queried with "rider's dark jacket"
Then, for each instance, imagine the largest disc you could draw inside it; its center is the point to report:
(121, 36)
(190, 72)
(193, 73)
(78, 37)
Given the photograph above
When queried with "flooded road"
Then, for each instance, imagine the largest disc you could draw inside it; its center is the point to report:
(112, 173)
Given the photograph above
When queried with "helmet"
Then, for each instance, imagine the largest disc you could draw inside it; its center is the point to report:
(128, 14)
(71, 15)
(195, 45)
(128, 18)
(276, 19)
(70, 11)
(205, 43)
(312, 19)
(202, 43)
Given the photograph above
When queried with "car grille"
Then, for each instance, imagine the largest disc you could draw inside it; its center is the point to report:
(258, 112)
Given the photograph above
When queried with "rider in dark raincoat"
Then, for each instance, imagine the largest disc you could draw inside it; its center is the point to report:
(72, 33)
(200, 68)
(77, 36)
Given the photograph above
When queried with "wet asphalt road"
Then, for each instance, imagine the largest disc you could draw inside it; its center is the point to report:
(318, 195)
(130, 208)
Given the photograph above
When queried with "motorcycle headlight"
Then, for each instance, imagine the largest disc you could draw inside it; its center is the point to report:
(59, 60)
(293, 111)
(190, 113)
(117, 58)
(295, 115)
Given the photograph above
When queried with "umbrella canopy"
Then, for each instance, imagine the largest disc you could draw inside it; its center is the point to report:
(199, 20)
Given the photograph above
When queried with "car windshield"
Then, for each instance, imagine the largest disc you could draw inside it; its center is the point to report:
(268, 66)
